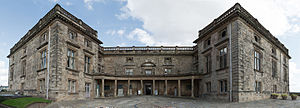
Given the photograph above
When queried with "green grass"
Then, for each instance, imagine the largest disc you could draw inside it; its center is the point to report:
(23, 102)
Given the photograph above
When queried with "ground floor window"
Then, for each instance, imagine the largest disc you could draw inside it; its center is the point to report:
(106, 87)
(223, 86)
(87, 89)
(72, 86)
(208, 87)
(42, 85)
(258, 86)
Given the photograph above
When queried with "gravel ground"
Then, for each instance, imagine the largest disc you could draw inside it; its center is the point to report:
(168, 102)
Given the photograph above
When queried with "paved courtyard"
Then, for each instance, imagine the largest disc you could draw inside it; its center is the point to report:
(168, 102)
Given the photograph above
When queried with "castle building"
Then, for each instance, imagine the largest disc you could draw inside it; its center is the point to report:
(234, 58)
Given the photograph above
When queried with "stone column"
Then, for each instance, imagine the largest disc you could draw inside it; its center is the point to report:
(142, 87)
(102, 88)
(115, 91)
(192, 80)
(128, 90)
(166, 87)
(153, 91)
(179, 89)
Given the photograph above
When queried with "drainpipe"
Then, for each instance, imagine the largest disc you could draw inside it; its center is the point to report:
(230, 63)
(48, 64)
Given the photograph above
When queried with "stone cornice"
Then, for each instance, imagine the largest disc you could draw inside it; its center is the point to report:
(238, 11)
(56, 13)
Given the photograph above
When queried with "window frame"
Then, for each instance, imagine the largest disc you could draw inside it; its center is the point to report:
(71, 59)
(257, 60)
(87, 64)
(223, 57)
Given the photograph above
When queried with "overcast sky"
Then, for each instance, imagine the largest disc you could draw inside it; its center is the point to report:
(151, 22)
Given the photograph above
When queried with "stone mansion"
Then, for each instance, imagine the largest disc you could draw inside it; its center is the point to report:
(234, 58)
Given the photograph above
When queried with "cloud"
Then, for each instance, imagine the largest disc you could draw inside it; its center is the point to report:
(89, 3)
(120, 32)
(68, 3)
(177, 22)
(111, 32)
(54, 1)
(294, 73)
(141, 36)
(3, 74)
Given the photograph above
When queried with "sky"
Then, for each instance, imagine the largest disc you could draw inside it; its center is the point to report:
(151, 22)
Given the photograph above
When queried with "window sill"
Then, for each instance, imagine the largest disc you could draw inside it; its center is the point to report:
(41, 70)
(258, 71)
(220, 69)
(73, 70)
(168, 65)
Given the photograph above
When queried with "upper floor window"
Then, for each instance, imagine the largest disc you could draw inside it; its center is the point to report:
(168, 70)
(25, 50)
(129, 71)
(148, 72)
(274, 68)
(258, 86)
(129, 59)
(223, 33)
(87, 43)
(257, 38)
(12, 73)
(208, 63)
(43, 37)
(71, 86)
(284, 60)
(87, 63)
(71, 59)
(223, 57)
(285, 77)
(24, 67)
(273, 51)
(43, 59)
(257, 57)
(72, 35)
(207, 43)
(223, 86)
(168, 60)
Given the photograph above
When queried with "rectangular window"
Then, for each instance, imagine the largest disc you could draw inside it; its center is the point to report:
(168, 60)
(257, 60)
(129, 59)
(72, 86)
(106, 87)
(43, 59)
(285, 75)
(42, 85)
(24, 50)
(87, 64)
(223, 33)
(24, 67)
(208, 87)
(274, 51)
(72, 35)
(284, 60)
(148, 72)
(168, 70)
(274, 68)
(207, 43)
(87, 43)
(223, 57)
(223, 86)
(71, 59)
(274, 88)
(129, 71)
(12, 73)
(87, 89)
(43, 37)
(258, 86)
(208, 63)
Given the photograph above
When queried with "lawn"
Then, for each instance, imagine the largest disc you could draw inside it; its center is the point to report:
(23, 102)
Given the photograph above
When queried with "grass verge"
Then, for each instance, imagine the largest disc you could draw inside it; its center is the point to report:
(23, 102)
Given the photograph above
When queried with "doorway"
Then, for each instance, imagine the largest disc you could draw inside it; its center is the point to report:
(148, 89)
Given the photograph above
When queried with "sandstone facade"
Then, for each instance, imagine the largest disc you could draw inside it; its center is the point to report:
(235, 58)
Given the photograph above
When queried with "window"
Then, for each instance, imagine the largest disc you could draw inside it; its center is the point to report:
(223, 57)
(106, 87)
(87, 89)
(208, 87)
(257, 58)
(148, 72)
(43, 59)
(24, 50)
(71, 59)
(273, 51)
(129, 71)
(208, 63)
(87, 43)
(87, 63)
(274, 88)
(42, 85)
(43, 37)
(274, 68)
(257, 38)
(12, 73)
(168, 60)
(188, 87)
(258, 86)
(284, 60)
(223, 33)
(72, 35)
(168, 70)
(129, 59)
(207, 43)
(223, 86)
(285, 78)
(71, 86)
(24, 67)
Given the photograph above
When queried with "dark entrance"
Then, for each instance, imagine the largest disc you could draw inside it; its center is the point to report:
(148, 89)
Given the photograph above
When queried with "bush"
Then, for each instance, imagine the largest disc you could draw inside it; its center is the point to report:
(284, 94)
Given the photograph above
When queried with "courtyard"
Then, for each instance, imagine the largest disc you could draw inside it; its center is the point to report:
(169, 102)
